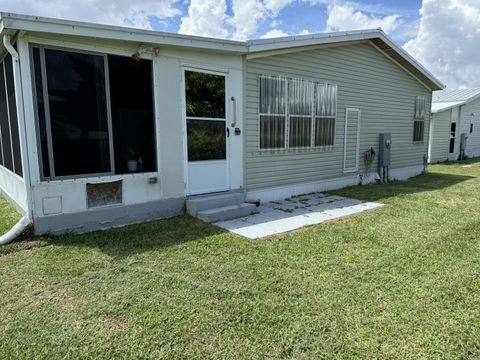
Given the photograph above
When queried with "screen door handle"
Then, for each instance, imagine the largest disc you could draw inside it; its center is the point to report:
(234, 110)
(228, 132)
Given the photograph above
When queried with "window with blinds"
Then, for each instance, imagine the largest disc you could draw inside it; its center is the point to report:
(296, 113)
(419, 118)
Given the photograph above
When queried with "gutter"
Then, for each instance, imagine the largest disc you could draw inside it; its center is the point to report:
(27, 219)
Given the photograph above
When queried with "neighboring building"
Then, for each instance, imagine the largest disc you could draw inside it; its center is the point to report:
(107, 125)
(455, 126)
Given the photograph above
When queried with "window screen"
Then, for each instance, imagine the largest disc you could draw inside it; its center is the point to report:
(75, 128)
(41, 120)
(4, 122)
(78, 113)
(12, 109)
(133, 121)
(418, 127)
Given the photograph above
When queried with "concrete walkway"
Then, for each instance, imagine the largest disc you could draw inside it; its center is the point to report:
(281, 216)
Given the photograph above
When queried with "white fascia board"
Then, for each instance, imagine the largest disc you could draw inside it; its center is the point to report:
(74, 28)
(307, 40)
(441, 107)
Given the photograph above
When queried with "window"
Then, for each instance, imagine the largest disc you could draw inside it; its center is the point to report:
(10, 152)
(300, 110)
(325, 113)
(206, 117)
(419, 121)
(300, 104)
(273, 112)
(94, 113)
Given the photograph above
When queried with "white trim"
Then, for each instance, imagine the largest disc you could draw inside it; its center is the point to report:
(213, 71)
(345, 140)
(284, 192)
(77, 28)
(9, 21)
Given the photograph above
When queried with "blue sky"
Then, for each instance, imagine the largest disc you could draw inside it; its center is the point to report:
(441, 34)
(298, 16)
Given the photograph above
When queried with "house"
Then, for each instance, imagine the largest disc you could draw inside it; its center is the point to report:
(455, 129)
(104, 126)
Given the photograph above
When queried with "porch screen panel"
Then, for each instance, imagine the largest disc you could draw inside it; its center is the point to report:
(12, 107)
(78, 113)
(272, 106)
(133, 121)
(41, 119)
(4, 122)
(300, 102)
(325, 114)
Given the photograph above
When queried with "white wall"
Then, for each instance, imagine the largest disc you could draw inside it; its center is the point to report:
(439, 145)
(473, 141)
(13, 187)
(69, 196)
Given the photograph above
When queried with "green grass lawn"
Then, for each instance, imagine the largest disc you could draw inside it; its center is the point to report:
(8, 216)
(402, 282)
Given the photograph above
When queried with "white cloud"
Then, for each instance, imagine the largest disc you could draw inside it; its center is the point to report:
(206, 18)
(137, 13)
(246, 16)
(345, 17)
(275, 6)
(448, 41)
(305, 32)
(209, 17)
(273, 34)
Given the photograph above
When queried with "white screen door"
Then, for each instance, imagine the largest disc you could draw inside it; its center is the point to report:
(352, 140)
(206, 132)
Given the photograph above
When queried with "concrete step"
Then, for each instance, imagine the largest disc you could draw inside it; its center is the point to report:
(206, 202)
(226, 212)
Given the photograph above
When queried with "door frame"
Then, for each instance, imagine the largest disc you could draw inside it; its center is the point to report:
(214, 71)
(357, 147)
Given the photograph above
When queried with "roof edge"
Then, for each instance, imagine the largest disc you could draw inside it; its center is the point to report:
(263, 45)
(12, 21)
(113, 32)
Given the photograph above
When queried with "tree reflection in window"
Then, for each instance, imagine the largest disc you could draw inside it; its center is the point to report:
(205, 95)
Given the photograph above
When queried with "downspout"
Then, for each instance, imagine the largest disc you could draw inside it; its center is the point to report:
(27, 219)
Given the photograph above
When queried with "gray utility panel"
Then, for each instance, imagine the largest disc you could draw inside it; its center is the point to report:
(384, 149)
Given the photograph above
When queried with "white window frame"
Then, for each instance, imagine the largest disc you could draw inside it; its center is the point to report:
(313, 117)
(420, 118)
(75, 48)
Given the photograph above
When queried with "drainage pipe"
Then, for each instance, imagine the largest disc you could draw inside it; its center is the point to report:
(15, 231)
(26, 220)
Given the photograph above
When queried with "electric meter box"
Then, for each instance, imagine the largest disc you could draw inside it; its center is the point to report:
(384, 149)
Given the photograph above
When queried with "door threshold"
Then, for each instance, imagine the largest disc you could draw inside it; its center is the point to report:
(207, 194)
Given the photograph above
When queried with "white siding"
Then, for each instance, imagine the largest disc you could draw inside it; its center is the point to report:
(440, 137)
(473, 141)
(366, 79)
